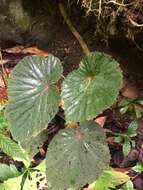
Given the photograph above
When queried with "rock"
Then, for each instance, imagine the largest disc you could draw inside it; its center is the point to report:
(24, 19)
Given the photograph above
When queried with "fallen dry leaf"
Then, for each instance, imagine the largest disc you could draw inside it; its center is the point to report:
(129, 90)
(3, 94)
(101, 120)
(2, 85)
(36, 51)
(110, 140)
(139, 108)
(14, 50)
(3, 90)
(26, 50)
(4, 61)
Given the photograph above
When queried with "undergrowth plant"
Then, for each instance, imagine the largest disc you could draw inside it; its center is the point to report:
(78, 155)
(131, 106)
(127, 138)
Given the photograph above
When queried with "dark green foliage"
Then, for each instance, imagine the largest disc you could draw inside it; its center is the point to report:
(33, 96)
(92, 88)
(77, 156)
(127, 139)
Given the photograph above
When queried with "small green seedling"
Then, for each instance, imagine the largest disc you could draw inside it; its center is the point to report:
(128, 105)
(128, 138)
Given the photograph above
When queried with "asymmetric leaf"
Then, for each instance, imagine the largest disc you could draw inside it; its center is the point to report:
(33, 95)
(76, 156)
(92, 88)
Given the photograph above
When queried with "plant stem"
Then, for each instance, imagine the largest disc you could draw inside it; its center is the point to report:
(73, 30)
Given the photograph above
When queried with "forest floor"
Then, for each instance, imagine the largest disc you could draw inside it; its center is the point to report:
(68, 50)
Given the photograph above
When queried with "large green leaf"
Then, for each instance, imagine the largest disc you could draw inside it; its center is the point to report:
(33, 95)
(76, 156)
(7, 172)
(92, 88)
(13, 149)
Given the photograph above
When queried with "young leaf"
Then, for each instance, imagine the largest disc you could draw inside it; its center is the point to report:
(7, 172)
(13, 149)
(109, 179)
(138, 168)
(124, 109)
(131, 132)
(92, 88)
(126, 147)
(77, 156)
(33, 95)
(118, 138)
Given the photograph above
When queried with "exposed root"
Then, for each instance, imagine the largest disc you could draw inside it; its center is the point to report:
(73, 30)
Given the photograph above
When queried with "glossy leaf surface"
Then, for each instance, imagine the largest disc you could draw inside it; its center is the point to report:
(92, 88)
(76, 157)
(33, 95)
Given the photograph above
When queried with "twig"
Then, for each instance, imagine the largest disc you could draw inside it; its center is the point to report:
(100, 8)
(4, 73)
(116, 3)
(135, 23)
(73, 30)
